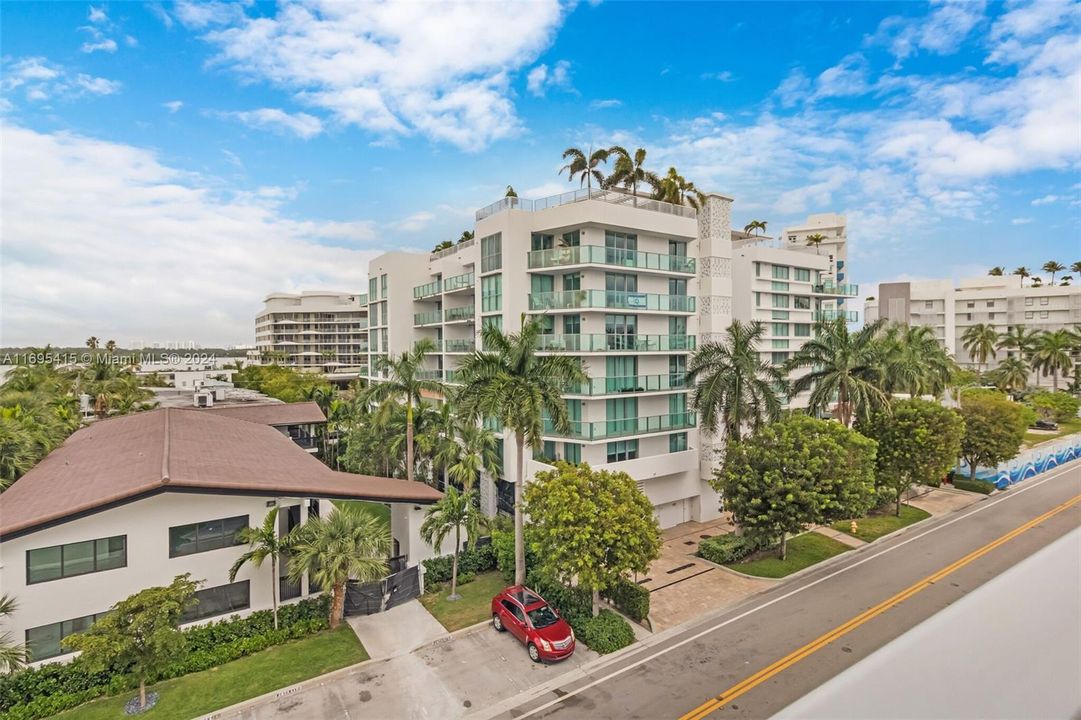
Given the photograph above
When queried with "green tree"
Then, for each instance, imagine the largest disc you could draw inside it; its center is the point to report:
(996, 271)
(585, 167)
(346, 544)
(466, 236)
(92, 342)
(994, 429)
(444, 245)
(675, 189)
(914, 362)
(478, 451)
(590, 526)
(12, 652)
(733, 386)
(1052, 355)
(815, 241)
(522, 391)
(451, 514)
(844, 365)
(1023, 273)
(510, 192)
(794, 473)
(1057, 406)
(404, 384)
(918, 442)
(1021, 339)
(1054, 268)
(980, 341)
(1075, 267)
(1011, 375)
(630, 171)
(263, 543)
(141, 632)
(754, 226)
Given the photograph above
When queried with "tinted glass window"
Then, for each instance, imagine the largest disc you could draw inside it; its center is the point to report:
(79, 558)
(110, 553)
(59, 561)
(207, 535)
(219, 601)
(542, 617)
(43, 564)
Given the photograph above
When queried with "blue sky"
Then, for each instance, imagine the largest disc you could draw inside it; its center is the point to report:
(166, 165)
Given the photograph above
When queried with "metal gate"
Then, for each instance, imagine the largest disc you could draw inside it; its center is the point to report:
(372, 597)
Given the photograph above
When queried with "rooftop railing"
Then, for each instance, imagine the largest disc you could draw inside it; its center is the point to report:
(600, 255)
(451, 250)
(615, 197)
(610, 299)
(844, 289)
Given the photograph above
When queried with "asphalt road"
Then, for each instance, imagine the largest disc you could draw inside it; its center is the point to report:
(756, 659)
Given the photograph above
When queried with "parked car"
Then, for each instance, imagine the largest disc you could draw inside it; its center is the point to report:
(536, 624)
(1045, 425)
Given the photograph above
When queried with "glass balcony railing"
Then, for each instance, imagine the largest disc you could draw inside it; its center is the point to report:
(458, 282)
(599, 255)
(459, 345)
(845, 289)
(435, 341)
(431, 317)
(610, 299)
(615, 343)
(426, 290)
(459, 313)
(453, 376)
(430, 375)
(621, 385)
(606, 429)
(828, 315)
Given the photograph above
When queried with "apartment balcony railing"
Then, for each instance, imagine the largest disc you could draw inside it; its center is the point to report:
(429, 374)
(607, 429)
(459, 345)
(426, 290)
(459, 313)
(622, 385)
(600, 255)
(453, 376)
(434, 341)
(615, 197)
(451, 250)
(611, 300)
(828, 315)
(843, 289)
(432, 317)
(600, 342)
(459, 282)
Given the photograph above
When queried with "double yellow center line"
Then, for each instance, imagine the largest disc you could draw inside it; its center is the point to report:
(817, 644)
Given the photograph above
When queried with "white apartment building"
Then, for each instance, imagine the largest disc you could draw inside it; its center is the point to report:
(316, 331)
(998, 301)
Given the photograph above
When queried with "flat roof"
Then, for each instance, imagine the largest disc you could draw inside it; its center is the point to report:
(270, 413)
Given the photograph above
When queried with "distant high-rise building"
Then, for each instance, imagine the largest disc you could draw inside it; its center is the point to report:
(317, 331)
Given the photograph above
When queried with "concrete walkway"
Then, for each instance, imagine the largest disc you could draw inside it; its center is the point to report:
(843, 538)
(942, 500)
(397, 631)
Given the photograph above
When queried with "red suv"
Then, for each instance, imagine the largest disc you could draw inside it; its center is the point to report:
(534, 622)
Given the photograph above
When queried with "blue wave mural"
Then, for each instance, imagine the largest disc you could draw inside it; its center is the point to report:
(1030, 463)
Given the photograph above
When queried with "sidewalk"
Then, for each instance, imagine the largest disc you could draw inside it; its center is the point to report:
(397, 631)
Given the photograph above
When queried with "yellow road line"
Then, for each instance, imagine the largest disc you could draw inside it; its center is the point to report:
(791, 659)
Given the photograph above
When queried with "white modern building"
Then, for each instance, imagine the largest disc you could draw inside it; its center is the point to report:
(315, 331)
(133, 501)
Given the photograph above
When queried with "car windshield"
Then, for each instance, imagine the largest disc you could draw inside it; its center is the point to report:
(542, 617)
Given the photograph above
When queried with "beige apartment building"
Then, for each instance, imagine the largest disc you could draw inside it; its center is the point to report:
(316, 331)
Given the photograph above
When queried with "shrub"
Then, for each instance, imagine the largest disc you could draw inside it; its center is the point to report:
(503, 547)
(1057, 406)
(571, 602)
(466, 577)
(480, 559)
(605, 633)
(724, 549)
(973, 485)
(631, 598)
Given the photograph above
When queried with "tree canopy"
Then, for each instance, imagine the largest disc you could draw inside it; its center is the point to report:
(994, 429)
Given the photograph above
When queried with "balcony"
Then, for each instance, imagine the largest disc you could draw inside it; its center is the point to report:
(843, 289)
(429, 375)
(432, 317)
(630, 385)
(830, 315)
(459, 345)
(598, 255)
(608, 429)
(427, 290)
(615, 197)
(435, 341)
(611, 300)
(459, 314)
(459, 282)
(615, 343)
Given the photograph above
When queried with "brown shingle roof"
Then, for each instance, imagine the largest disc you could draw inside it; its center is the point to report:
(275, 414)
(125, 458)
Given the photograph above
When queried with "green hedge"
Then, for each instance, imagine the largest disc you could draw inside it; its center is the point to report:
(631, 598)
(37, 693)
(480, 559)
(973, 485)
(603, 634)
(723, 549)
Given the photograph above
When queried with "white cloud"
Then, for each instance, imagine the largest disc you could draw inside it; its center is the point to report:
(40, 80)
(1021, 221)
(276, 120)
(97, 15)
(391, 68)
(848, 77)
(414, 223)
(1046, 200)
(941, 32)
(156, 245)
(158, 11)
(606, 103)
(724, 76)
(173, 105)
(542, 78)
(794, 88)
(97, 85)
(106, 45)
(547, 189)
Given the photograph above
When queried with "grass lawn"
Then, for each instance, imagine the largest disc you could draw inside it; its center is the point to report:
(193, 695)
(879, 524)
(1068, 427)
(803, 551)
(474, 606)
(378, 509)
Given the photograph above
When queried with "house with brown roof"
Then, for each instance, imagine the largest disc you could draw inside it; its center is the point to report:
(300, 421)
(130, 502)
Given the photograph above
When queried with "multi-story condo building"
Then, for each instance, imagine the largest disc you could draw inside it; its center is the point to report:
(316, 331)
(998, 301)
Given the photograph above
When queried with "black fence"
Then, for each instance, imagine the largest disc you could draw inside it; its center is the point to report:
(373, 597)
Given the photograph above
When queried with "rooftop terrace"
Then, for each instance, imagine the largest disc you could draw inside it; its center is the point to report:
(615, 197)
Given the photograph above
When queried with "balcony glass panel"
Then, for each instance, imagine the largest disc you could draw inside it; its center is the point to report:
(598, 255)
(426, 290)
(827, 315)
(459, 313)
(634, 384)
(426, 318)
(606, 343)
(611, 299)
(460, 345)
(845, 289)
(458, 282)
(624, 427)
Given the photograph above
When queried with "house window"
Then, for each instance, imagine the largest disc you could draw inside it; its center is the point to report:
(758, 299)
(802, 330)
(779, 358)
(491, 293)
(572, 238)
(622, 415)
(971, 305)
(1045, 301)
(780, 344)
(542, 242)
(677, 248)
(219, 600)
(677, 286)
(803, 275)
(802, 303)
(780, 301)
(780, 329)
(779, 315)
(780, 272)
(620, 282)
(491, 252)
(572, 281)
(757, 269)
(1029, 315)
(1028, 302)
(61, 561)
(991, 316)
(928, 304)
(620, 248)
(1044, 314)
(990, 303)
(677, 442)
(572, 324)
(373, 293)
(779, 286)
(622, 450)
(204, 536)
(572, 452)
(383, 285)
(44, 642)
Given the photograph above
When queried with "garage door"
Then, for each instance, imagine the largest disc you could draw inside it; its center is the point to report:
(672, 513)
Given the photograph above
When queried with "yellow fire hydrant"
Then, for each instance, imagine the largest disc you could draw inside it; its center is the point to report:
(855, 527)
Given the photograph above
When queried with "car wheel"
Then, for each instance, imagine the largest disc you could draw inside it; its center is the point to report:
(534, 653)
(497, 623)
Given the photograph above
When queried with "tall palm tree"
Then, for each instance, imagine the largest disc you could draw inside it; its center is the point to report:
(403, 384)
(348, 544)
(1052, 355)
(843, 364)
(585, 167)
(1053, 267)
(1037, 281)
(815, 241)
(453, 512)
(12, 653)
(467, 235)
(1023, 273)
(733, 386)
(629, 171)
(996, 271)
(914, 362)
(1021, 339)
(754, 226)
(510, 192)
(516, 386)
(675, 189)
(110, 345)
(92, 342)
(1065, 280)
(478, 451)
(263, 542)
(1011, 375)
(1076, 267)
(980, 341)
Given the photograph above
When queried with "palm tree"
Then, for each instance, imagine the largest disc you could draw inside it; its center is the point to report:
(348, 544)
(734, 387)
(1065, 280)
(1023, 273)
(1052, 355)
(510, 192)
(815, 241)
(996, 271)
(914, 362)
(517, 387)
(630, 171)
(1037, 281)
(263, 542)
(843, 364)
(585, 167)
(404, 384)
(477, 452)
(673, 188)
(445, 245)
(92, 342)
(1076, 267)
(12, 654)
(467, 235)
(1021, 339)
(754, 226)
(1053, 267)
(453, 512)
(1011, 375)
(980, 341)
(110, 346)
